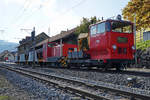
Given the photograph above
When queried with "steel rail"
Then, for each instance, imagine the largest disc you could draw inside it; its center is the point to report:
(119, 91)
(127, 93)
(73, 89)
(126, 72)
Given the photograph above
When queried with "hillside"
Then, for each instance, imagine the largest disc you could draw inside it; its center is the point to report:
(4, 45)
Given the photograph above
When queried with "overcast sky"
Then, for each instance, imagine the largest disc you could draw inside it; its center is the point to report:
(56, 14)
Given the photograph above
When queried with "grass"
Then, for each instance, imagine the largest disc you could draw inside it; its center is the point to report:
(5, 98)
(5, 84)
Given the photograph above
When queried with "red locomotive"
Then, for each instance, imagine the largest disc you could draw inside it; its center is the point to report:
(109, 43)
(112, 41)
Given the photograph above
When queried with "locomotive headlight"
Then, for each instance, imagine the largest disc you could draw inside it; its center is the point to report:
(133, 48)
(114, 47)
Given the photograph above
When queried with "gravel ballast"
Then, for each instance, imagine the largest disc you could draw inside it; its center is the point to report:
(115, 78)
(10, 92)
(36, 90)
(142, 83)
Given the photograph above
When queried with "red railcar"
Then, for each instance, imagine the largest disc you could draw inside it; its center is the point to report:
(52, 52)
(47, 50)
(111, 44)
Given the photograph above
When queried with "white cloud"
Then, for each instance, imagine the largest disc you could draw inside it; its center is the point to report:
(18, 2)
(21, 1)
(58, 20)
(48, 15)
(65, 22)
(59, 23)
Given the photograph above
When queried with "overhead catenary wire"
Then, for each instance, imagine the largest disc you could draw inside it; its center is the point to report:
(23, 9)
(66, 11)
(42, 5)
(32, 13)
(26, 6)
(74, 6)
(69, 9)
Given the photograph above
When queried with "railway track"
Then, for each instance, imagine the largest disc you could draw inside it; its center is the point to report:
(87, 89)
(125, 72)
(80, 92)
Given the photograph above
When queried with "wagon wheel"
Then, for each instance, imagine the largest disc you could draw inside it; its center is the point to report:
(120, 67)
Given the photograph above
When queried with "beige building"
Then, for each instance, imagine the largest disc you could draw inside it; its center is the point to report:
(7, 56)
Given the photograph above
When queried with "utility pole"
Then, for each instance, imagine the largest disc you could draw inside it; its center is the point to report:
(135, 39)
(61, 50)
(2, 31)
(49, 31)
(33, 44)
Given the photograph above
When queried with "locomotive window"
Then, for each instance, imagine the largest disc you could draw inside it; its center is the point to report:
(122, 27)
(101, 28)
(108, 26)
(93, 29)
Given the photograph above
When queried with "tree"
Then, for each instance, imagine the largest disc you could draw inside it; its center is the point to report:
(84, 26)
(142, 10)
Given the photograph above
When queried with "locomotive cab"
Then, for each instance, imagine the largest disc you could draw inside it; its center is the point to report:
(112, 41)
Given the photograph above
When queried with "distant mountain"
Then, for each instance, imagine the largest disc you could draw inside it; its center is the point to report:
(10, 46)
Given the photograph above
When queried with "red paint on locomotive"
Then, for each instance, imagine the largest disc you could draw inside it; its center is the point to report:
(111, 39)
